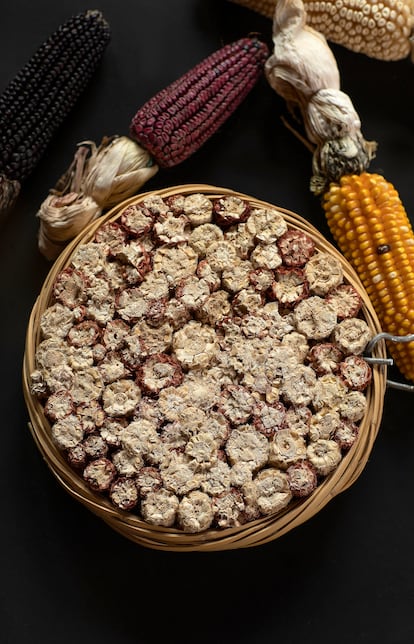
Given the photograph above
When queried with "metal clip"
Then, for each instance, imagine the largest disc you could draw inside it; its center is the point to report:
(389, 361)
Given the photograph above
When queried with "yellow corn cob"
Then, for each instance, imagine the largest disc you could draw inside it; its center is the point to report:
(370, 225)
(380, 30)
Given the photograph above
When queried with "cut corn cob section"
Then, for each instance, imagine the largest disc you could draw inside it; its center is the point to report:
(40, 96)
(370, 225)
(380, 30)
(174, 123)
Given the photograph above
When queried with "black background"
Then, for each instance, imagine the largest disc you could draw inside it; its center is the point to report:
(347, 575)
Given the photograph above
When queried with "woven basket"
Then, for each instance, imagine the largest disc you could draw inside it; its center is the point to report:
(256, 532)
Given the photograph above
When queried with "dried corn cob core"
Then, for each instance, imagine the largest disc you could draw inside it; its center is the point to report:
(40, 96)
(380, 30)
(177, 121)
(370, 225)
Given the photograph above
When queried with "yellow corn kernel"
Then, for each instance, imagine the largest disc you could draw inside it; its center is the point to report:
(386, 265)
(379, 30)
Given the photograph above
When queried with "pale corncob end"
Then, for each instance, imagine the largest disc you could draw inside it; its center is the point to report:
(43, 92)
(371, 227)
(378, 30)
(178, 120)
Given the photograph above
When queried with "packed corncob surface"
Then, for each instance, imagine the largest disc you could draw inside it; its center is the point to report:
(177, 121)
(364, 211)
(380, 30)
(40, 96)
(200, 362)
(165, 131)
(371, 227)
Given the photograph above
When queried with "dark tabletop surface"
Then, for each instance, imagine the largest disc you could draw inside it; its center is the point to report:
(347, 575)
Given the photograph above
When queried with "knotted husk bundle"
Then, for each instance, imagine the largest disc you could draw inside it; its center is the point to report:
(303, 70)
(254, 533)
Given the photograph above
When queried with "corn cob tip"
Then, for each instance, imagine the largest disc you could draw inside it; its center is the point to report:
(178, 120)
(96, 14)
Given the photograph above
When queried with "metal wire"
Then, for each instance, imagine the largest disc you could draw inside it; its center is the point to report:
(393, 384)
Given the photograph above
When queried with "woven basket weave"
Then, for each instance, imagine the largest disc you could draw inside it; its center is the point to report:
(256, 532)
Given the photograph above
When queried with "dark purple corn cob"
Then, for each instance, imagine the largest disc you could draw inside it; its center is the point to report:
(41, 95)
(177, 121)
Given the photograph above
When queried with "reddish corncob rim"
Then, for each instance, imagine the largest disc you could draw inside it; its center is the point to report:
(179, 119)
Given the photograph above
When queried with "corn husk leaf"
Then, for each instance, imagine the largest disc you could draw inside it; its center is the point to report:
(302, 62)
(303, 70)
(98, 178)
(62, 219)
(116, 170)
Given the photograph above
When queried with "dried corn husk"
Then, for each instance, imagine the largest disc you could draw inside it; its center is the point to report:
(97, 179)
(303, 70)
(116, 170)
(382, 30)
(62, 219)
(291, 69)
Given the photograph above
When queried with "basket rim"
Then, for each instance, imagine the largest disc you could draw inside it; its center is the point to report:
(255, 532)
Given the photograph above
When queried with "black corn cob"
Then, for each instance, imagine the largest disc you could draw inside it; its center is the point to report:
(41, 95)
(178, 120)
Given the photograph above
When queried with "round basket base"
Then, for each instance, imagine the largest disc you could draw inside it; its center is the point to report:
(253, 533)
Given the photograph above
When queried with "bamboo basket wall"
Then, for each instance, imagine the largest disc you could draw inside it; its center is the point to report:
(253, 533)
